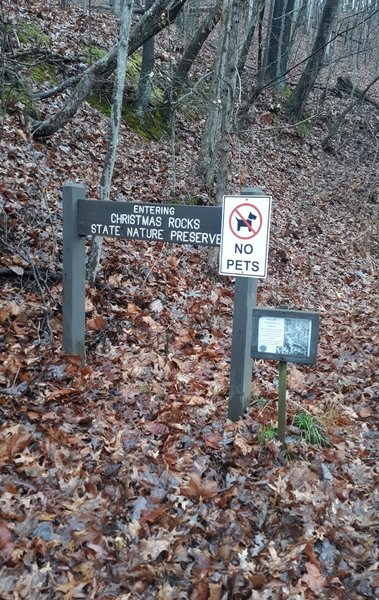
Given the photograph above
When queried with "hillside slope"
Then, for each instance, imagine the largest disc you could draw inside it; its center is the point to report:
(124, 478)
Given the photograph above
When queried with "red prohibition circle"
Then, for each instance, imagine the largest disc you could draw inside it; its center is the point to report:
(245, 222)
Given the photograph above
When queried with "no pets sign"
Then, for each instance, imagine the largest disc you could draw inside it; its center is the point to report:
(245, 235)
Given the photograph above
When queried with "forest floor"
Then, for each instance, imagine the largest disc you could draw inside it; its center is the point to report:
(124, 478)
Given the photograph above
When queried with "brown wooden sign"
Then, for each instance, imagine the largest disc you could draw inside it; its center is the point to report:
(175, 223)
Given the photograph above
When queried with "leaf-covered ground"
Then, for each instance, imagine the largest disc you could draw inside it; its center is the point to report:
(123, 478)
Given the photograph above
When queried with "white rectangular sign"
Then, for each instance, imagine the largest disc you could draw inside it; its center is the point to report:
(244, 236)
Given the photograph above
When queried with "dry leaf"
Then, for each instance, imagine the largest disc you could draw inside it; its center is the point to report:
(314, 579)
(198, 488)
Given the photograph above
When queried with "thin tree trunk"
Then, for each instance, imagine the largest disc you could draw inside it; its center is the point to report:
(183, 67)
(277, 52)
(296, 103)
(260, 39)
(114, 128)
(145, 79)
(252, 19)
(216, 136)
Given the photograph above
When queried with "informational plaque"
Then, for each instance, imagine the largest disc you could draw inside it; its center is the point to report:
(287, 335)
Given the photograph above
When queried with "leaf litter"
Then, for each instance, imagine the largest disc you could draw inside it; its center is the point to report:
(124, 478)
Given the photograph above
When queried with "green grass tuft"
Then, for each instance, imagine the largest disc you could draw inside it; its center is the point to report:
(311, 428)
(267, 434)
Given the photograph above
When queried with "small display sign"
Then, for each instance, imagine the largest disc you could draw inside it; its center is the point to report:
(285, 335)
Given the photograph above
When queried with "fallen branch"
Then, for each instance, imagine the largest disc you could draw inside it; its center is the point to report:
(29, 272)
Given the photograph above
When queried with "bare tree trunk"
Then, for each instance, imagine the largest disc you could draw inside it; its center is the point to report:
(296, 103)
(216, 136)
(114, 128)
(145, 83)
(190, 16)
(278, 44)
(260, 38)
(159, 16)
(183, 67)
(250, 29)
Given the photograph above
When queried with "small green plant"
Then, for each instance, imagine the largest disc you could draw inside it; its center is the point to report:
(287, 91)
(311, 428)
(267, 434)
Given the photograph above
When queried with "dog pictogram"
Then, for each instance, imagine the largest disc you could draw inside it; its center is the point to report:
(245, 222)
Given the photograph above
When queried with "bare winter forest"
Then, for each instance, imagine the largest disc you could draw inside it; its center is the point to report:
(122, 477)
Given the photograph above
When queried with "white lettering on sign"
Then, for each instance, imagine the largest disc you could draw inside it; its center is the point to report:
(100, 229)
(183, 223)
(153, 210)
(144, 234)
(157, 222)
(138, 220)
(195, 237)
(245, 233)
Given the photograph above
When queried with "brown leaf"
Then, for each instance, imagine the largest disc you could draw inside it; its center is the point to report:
(6, 542)
(212, 440)
(198, 488)
(295, 379)
(314, 579)
(96, 324)
(157, 428)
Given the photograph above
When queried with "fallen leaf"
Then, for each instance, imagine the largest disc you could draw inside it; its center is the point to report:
(314, 579)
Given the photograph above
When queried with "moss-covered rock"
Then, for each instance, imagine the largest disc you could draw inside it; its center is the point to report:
(16, 93)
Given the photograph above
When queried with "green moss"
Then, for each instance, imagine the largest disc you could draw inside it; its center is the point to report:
(101, 102)
(43, 72)
(287, 91)
(133, 68)
(18, 94)
(31, 33)
(151, 126)
(92, 52)
(304, 129)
